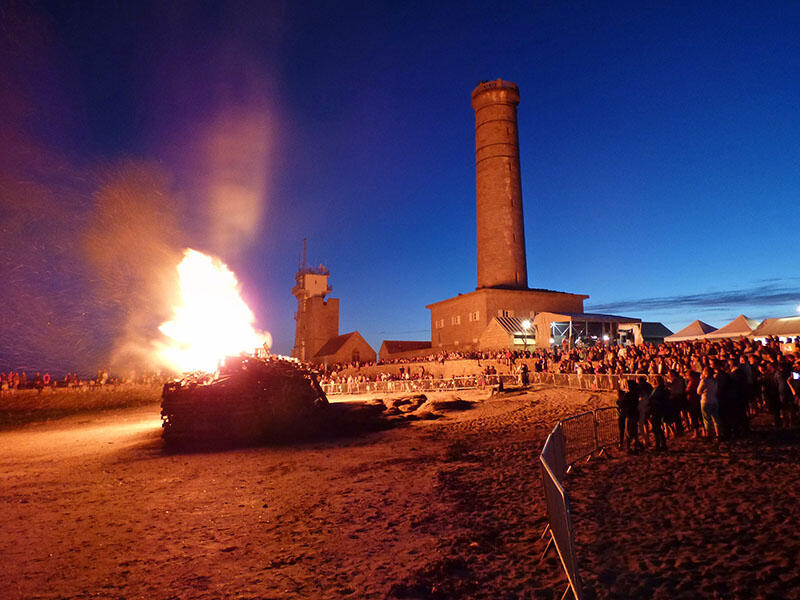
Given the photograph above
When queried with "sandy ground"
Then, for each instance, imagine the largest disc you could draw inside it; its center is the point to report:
(701, 521)
(94, 507)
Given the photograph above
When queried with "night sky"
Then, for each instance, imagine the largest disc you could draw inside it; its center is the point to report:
(660, 149)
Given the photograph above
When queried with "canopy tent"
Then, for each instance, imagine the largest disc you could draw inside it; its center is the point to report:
(787, 327)
(694, 331)
(741, 326)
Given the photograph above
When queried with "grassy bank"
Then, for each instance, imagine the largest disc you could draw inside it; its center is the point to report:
(30, 406)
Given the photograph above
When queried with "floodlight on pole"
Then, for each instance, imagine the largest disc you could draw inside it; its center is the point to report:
(526, 326)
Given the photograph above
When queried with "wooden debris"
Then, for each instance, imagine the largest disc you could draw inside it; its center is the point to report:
(250, 400)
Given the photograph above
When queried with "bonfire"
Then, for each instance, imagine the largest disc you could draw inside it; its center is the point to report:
(232, 390)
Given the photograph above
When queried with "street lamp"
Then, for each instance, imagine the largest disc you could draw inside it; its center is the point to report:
(526, 326)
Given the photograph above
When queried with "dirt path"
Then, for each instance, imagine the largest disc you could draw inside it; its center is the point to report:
(94, 507)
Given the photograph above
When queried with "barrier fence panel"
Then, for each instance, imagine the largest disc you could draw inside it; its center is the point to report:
(560, 521)
(579, 436)
(553, 452)
(606, 426)
(583, 381)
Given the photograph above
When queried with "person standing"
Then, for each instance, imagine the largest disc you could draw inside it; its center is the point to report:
(628, 414)
(709, 402)
(677, 401)
(659, 400)
(693, 402)
(645, 391)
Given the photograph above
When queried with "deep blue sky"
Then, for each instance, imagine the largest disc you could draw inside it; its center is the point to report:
(660, 143)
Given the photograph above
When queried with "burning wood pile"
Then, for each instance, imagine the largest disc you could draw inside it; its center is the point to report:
(249, 400)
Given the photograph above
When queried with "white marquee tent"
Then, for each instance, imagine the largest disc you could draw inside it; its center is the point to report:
(694, 331)
(787, 327)
(741, 326)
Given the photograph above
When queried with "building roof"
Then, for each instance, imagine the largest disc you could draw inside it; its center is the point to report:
(333, 345)
(740, 326)
(505, 290)
(654, 329)
(593, 317)
(694, 330)
(395, 346)
(787, 326)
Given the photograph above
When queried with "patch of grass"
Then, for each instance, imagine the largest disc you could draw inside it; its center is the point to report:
(29, 406)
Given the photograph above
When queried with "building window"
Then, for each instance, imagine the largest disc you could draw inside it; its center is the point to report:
(455, 320)
(439, 323)
(474, 316)
(505, 313)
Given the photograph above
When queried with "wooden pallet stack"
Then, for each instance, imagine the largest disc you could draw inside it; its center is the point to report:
(250, 400)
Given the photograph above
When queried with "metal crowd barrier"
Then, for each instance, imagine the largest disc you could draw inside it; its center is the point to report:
(579, 436)
(560, 521)
(582, 381)
(416, 385)
(572, 439)
(606, 427)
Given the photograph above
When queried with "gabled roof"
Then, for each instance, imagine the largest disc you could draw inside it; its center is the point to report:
(395, 346)
(333, 345)
(653, 329)
(693, 331)
(787, 326)
(740, 326)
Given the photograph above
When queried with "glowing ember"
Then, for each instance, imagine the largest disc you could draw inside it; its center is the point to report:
(211, 321)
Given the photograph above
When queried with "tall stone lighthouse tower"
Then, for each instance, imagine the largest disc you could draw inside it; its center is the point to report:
(501, 233)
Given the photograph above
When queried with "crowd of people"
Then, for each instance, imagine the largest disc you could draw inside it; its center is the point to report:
(710, 389)
(704, 387)
(15, 380)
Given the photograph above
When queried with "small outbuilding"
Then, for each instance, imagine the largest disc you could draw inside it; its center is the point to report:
(693, 331)
(648, 332)
(398, 349)
(345, 348)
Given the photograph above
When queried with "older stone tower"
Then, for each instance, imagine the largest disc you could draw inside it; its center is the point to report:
(317, 318)
(501, 230)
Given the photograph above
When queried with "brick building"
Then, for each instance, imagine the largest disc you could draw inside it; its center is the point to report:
(398, 349)
(502, 291)
(317, 336)
(458, 323)
(345, 348)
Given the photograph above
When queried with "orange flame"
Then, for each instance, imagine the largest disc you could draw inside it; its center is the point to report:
(211, 321)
